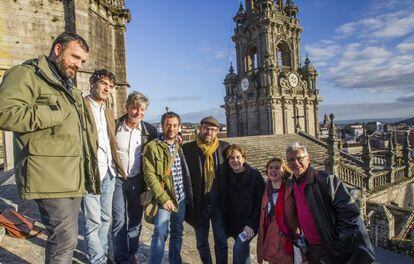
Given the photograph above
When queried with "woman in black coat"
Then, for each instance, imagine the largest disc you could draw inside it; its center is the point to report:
(244, 191)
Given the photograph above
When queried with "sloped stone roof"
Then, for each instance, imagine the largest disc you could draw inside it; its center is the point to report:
(260, 149)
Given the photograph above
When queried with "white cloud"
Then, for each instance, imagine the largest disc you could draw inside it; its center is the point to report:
(392, 21)
(374, 53)
(323, 51)
(347, 29)
(368, 110)
(406, 46)
(395, 25)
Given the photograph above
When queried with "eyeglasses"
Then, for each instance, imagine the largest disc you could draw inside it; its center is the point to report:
(212, 129)
(298, 159)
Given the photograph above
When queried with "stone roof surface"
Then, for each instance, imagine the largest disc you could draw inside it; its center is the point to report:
(261, 148)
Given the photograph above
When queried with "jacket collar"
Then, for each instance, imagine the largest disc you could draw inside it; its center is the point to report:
(308, 176)
(144, 130)
(43, 68)
(95, 104)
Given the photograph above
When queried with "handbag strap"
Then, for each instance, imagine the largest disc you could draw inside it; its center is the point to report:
(172, 157)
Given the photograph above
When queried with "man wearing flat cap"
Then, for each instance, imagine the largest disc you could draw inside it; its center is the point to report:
(206, 161)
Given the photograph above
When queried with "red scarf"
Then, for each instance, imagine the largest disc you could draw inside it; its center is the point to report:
(280, 218)
(279, 214)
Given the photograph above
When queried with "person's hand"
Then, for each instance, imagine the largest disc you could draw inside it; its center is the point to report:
(249, 232)
(169, 206)
(179, 139)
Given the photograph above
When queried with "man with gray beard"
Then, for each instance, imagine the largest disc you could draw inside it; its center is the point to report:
(40, 104)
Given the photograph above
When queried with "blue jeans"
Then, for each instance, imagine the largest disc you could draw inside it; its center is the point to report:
(220, 239)
(175, 221)
(96, 209)
(241, 252)
(127, 215)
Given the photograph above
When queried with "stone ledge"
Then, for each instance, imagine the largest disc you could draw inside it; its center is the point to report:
(2, 233)
(5, 175)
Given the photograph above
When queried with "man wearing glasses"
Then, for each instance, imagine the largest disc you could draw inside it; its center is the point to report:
(328, 215)
(206, 161)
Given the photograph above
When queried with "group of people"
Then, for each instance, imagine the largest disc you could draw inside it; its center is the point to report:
(71, 155)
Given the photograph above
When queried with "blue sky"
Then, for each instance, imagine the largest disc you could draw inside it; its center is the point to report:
(178, 53)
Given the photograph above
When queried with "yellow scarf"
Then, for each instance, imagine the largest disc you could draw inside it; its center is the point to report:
(208, 151)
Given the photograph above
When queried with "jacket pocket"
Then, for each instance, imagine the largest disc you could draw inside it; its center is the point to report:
(53, 165)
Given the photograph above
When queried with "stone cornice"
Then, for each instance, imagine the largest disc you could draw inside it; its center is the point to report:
(113, 11)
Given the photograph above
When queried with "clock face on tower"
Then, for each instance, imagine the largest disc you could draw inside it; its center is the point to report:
(293, 79)
(244, 84)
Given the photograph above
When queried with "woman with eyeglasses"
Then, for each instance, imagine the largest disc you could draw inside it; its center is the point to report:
(278, 221)
(244, 191)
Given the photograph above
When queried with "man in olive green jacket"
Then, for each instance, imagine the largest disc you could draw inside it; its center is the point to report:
(166, 175)
(40, 104)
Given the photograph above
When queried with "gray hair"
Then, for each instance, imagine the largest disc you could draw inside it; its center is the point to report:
(295, 147)
(137, 99)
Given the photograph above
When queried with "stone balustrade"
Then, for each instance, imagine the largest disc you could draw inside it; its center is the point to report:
(351, 175)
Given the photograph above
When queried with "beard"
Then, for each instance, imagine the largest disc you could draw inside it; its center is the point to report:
(63, 68)
(170, 135)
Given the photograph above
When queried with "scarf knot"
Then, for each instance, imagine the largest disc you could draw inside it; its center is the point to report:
(209, 172)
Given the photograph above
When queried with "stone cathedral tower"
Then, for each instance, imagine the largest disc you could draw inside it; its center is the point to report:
(28, 27)
(271, 93)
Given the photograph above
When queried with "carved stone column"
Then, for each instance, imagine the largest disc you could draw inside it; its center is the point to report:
(407, 155)
(333, 152)
(367, 159)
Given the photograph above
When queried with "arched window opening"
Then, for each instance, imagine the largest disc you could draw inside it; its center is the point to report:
(252, 60)
(284, 57)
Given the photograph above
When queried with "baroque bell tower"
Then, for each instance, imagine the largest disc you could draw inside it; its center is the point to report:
(271, 93)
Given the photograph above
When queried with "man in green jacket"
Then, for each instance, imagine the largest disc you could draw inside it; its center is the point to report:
(40, 104)
(166, 175)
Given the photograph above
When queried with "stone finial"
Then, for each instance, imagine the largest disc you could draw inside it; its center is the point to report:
(394, 137)
(366, 153)
(231, 69)
(307, 60)
(291, 9)
(390, 154)
(326, 119)
(308, 67)
(332, 128)
(391, 146)
(406, 149)
(333, 151)
(281, 7)
(231, 77)
(240, 15)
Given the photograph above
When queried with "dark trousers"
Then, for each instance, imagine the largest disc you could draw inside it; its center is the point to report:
(219, 232)
(318, 254)
(60, 217)
(126, 218)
